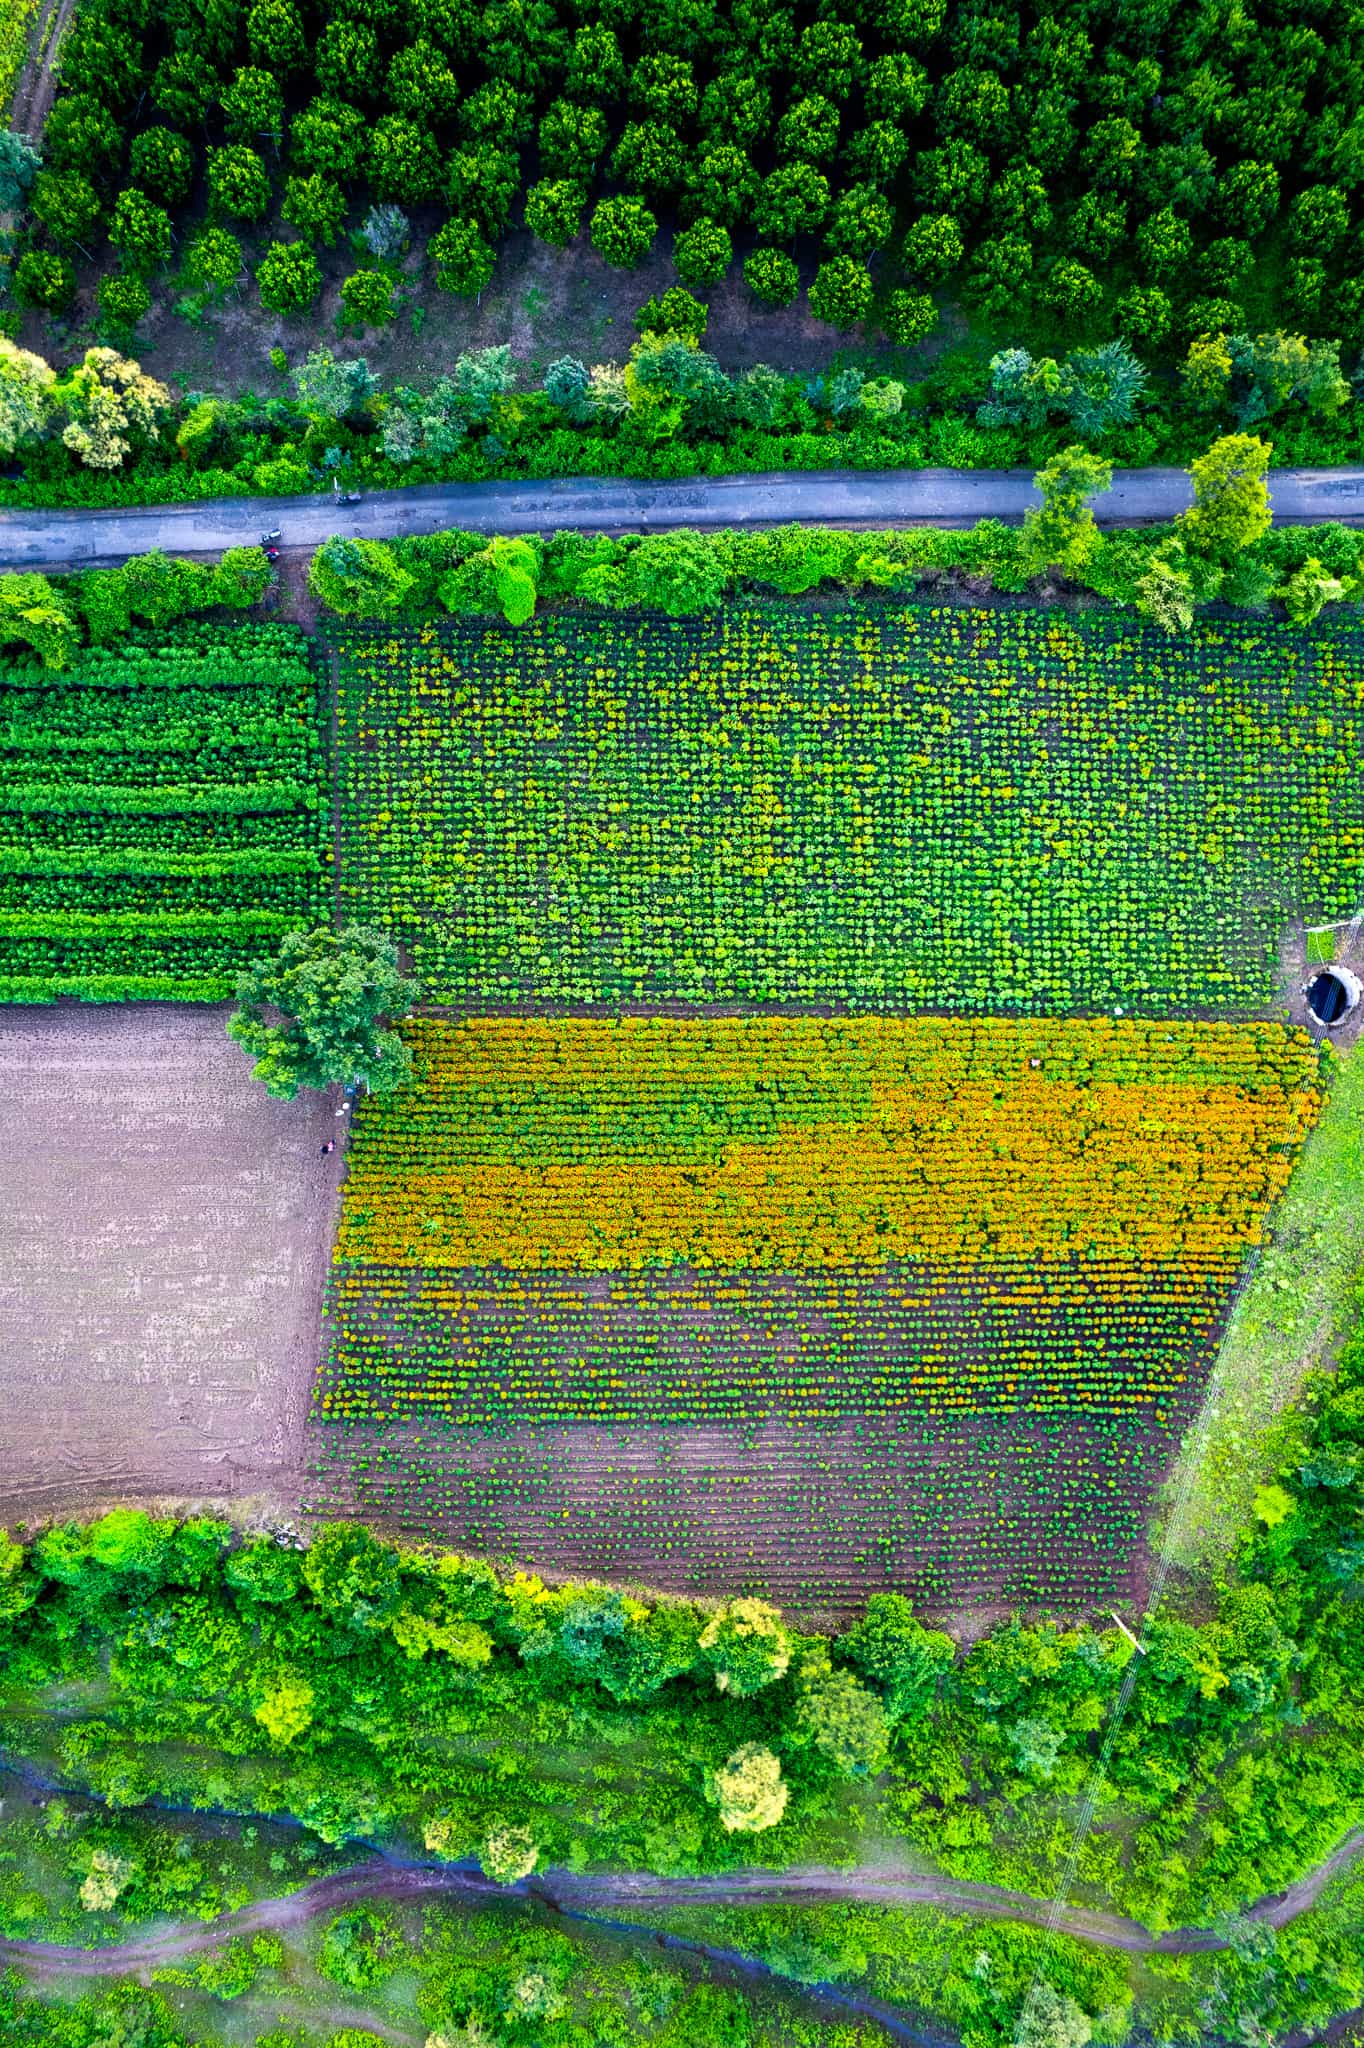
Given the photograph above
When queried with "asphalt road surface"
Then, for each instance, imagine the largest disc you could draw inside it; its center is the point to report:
(939, 497)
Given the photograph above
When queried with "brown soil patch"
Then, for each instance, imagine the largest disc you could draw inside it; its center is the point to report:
(164, 1231)
(545, 302)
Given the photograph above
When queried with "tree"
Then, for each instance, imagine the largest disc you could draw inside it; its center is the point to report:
(1052, 2019)
(480, 185)
(421, 84)
(503, 577)
(674, 312)
(892, 1648)
(622, 232)
(567, 384)
(1061, 533)
(702, 253)
(841, 294)
(1319, 220)
(238, 185)
(161, 163)
(82, 135)
(1230, 511)
(840, 1718)
(952, 179)
(677, 573)
(1001, 269)
(68, 207)
(140, 231)
(749, 1790)
(908, 317)
(253, 106)
(19, 167)
(863, 220)
(554, 211)
(572, 141)
(1074, 291)
(358, 578)
(508, 1854)
(664, 87)
(367, 299)
(32, 614)
(1144, 313)
(404, 162)
(808, 131)
(1164, 244)
(44, 279)
(334, 388)
(316, 206)
(772, 276)
(464, 262)
(124, 300)
(353, 1576)
(720, 186)
(274, 31)
(792, 200)
(213, 260)
(649, 156)
(286, 1712)
(932, 246)
(346, 62)
(1310, 588)
(328, 137)
(337, 995)
(745, 1646)
(111, 400)
(26, 395)
(288, 277)
(896, 88)
(596, 70)
(876, 153)
(1247, 197)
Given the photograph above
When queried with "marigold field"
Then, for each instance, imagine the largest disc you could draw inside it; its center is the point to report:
(905, 1300)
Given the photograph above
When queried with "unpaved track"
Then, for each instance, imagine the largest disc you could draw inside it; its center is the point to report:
(898, 497)
(605, 1896)
(165, 1228)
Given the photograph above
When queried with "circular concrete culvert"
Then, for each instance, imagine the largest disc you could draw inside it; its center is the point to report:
(1333, 994)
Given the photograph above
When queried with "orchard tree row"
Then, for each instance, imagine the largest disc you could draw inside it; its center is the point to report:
(1105, 159)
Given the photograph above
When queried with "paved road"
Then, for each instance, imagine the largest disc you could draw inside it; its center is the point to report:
(940, 497)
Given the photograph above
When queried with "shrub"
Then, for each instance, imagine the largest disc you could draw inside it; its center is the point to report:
(253, 106)
(772, 277)
(841, 294)
(68, 206)
(214, 259)
(673, 312)
(702, 252)
(358, 578)
(288, 277)
(464, 262)
(44, 280)
(367, 299)
(622, 232)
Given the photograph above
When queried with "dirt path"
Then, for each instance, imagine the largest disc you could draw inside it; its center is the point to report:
(602, 1897)
(36, 87)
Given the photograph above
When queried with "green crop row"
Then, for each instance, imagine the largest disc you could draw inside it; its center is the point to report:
(147, 884)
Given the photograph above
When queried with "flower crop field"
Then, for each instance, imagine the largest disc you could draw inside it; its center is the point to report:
(163, 814)
(909, 1301)
(899, 810)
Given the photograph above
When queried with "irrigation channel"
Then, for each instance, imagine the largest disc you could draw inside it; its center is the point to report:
(607, 1900)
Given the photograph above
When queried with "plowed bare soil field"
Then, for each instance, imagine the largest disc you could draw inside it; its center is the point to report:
(164, 1230)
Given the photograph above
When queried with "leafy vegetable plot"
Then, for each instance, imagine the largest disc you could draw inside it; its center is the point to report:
(893, 809)
(1001, 1248)
(163, 814)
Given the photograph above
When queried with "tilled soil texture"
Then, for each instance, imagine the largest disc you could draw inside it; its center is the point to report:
(164, 1235)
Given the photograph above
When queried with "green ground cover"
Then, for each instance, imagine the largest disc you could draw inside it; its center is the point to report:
(163, 813)
(893, 809)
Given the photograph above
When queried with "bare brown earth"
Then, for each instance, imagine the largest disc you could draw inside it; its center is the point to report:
(164, 1234)
(545, 302)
